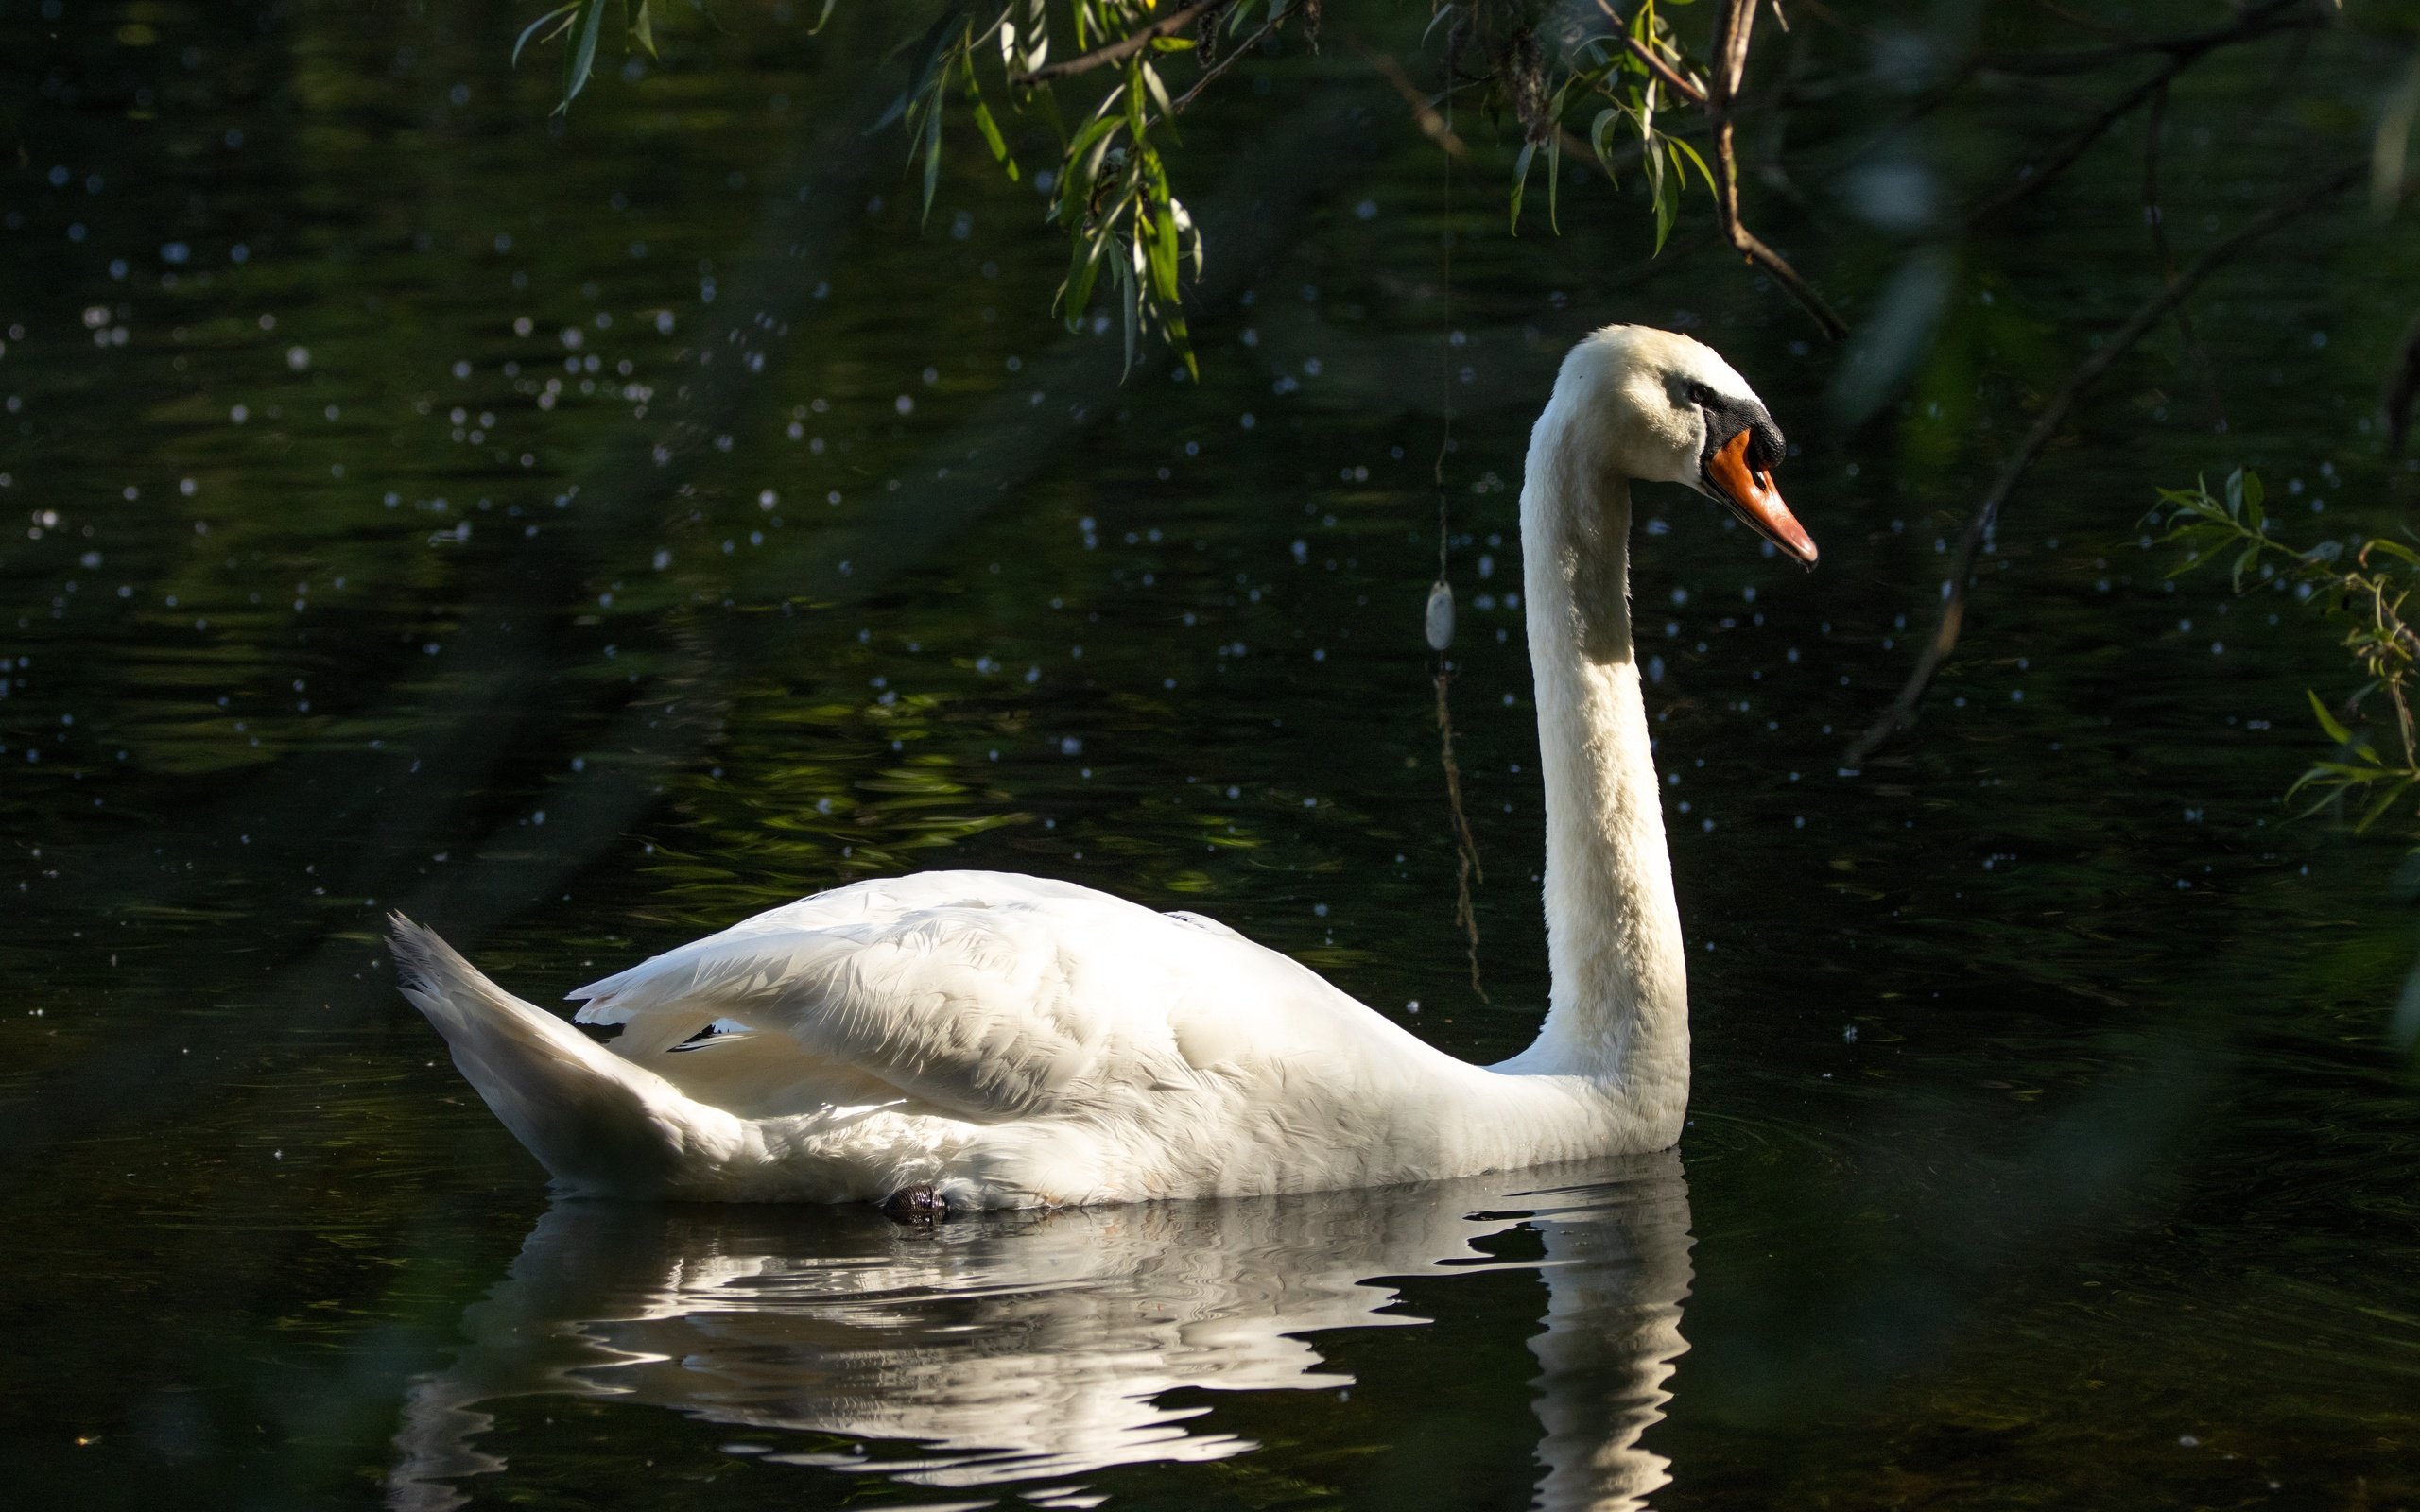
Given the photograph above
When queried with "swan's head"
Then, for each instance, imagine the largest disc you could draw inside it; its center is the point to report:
(1673, 412)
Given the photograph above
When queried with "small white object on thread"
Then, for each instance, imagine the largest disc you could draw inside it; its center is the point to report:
(1440, 617)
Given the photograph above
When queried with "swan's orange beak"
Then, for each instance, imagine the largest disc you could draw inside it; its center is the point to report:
(1758, 502)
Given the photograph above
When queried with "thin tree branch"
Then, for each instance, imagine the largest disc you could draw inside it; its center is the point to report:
(1732, 32)
(2090, 23)
(1424, 110)
(1953, 605)
(2273, 16)
(1123, 48)
(2076, 145)
(2182, 53)
(1673, 80)
(2255, 21)
(1466, 865)
(1226, 60)
(1732, 35)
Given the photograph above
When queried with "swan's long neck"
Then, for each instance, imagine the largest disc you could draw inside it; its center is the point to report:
(1618, 1013)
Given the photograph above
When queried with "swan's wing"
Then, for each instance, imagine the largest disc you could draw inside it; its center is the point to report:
(988, 995)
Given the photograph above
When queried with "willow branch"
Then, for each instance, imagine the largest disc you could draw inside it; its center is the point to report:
(2182, 53)
(1732, 35)
(1123, 48)
(1424, 110)
(1961, 565)
(2256, 20)
(2078, 144)
(1673, 78)
(1226, 60)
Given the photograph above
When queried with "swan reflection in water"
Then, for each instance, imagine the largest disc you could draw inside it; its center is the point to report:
(1017, 1348)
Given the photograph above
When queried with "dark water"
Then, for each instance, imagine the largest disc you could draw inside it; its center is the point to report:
(2052, 1144)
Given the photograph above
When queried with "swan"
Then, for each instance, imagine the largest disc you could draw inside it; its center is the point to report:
(958, 1040)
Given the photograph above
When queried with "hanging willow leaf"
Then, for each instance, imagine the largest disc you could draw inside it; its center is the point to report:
(564, 13)
(1600, 131)
(1682, 150)
(581, 61)
(1554, 181)
(990, 128)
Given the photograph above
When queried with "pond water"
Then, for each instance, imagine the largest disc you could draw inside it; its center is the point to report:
(581, 536)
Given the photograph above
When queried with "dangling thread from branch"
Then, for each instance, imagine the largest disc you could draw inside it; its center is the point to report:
(1440, 616)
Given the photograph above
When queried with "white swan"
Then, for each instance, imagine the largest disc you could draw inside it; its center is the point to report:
(981, 1039)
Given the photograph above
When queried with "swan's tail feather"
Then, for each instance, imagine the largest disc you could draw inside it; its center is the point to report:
(594, 1119)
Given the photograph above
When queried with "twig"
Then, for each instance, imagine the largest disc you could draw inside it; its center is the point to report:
(1465, 847)
(1123, 48)
(2182, 53)
(1953, 607)
(2089, 23)
(1432, 125)
(1226, 60)
(2078, 144)
(2273, 15)
(1672, 77)
(1732, 34)
(2258, 23)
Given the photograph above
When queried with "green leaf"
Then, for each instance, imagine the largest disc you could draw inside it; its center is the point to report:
(1081, 274)
(1134, 306)
(642, 27)
(2253, 494)
(2243, 564)
(1187, 230)
(1076, 178)
(932, 156)
(581, 61)
(1667, 199)
(1600, 132)
(2329, 722)
(929, 51)
(1554, 181)
(2384, 802)
(1684, 150)
(1159, 93)
(1521, 181)
(984, 120)
(530, 31)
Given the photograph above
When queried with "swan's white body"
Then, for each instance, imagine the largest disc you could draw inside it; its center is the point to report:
(1011, 1041)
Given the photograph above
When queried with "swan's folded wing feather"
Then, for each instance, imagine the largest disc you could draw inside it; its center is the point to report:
(992, 996)
(988, 998)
